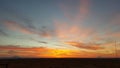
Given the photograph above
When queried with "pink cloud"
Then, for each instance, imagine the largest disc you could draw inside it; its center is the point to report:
(85, 46)
(17, 27)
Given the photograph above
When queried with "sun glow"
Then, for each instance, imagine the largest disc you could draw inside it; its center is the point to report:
(59, 53)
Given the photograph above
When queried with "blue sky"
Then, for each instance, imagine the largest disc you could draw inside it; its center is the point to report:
(58, 21)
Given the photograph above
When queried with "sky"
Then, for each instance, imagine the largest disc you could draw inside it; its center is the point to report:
(64, 28)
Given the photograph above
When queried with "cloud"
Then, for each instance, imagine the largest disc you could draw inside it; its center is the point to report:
(115, 34)
(39, 41)
(21, 52)
(28, 27)
(18, 47)
(115, 19)
(39, 52)
(3, 33)
(45, 32)
(66, 31)
(72, 29)
(17, 27)
(83, 10)
(66, 12)
(84, 46)
(42, 52)
(16, 14)
(81, 14)
(11, 25)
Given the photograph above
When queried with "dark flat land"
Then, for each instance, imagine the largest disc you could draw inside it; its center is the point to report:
(60, 63)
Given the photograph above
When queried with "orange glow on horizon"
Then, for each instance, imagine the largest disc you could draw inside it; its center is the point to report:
(51, 53)
(59, 53)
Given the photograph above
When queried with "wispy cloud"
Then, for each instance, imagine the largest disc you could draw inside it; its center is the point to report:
(65, 31)
(85, 46)
(115, 19)
(39, 41)
(15, 26)
(27, 23)
(81, 14)
(2, 32)
(72, 29)
(115, 34)
(18, 27)
(83, 10)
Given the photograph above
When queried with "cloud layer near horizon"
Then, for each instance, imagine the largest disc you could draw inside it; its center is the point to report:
(41, 52)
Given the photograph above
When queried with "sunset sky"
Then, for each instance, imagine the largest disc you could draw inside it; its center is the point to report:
(60, 28)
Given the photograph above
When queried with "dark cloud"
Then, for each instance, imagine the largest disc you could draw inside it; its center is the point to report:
(42, 42)
(39, 41)
(18, 47)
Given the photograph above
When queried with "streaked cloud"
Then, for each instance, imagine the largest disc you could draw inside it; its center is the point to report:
(85, 46)
(72, 29)
(24, 29)
(3, 33)
(17, 27)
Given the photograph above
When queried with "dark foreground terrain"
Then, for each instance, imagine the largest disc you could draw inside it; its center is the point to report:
(60, 63)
